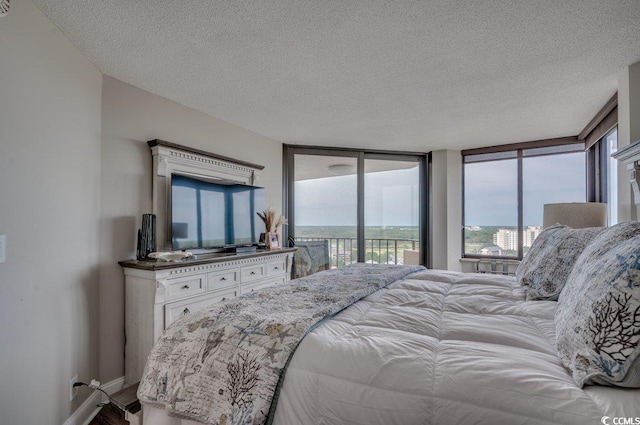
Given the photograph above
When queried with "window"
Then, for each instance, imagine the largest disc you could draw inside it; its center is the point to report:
(365, 206)
(505, 189)
(392, 210)
(601, 141)
(325, 190)
(603, 178)
(491, 208)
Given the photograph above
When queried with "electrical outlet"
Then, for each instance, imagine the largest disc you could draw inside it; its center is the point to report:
(73, 391)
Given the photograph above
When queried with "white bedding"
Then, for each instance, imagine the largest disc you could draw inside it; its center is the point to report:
(438, 348)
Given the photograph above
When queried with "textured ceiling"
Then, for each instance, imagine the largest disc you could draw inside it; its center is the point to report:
(405, 75)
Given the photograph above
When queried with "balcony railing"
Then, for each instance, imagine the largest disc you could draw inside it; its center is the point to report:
(343, 251)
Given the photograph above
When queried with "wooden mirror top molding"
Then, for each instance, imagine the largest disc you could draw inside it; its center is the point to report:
(175, 146)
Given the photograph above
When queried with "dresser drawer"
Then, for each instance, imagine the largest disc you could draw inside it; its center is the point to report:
(176, 310)
(223, 279)
(250, 287)
(276, 268)
(185, 286)
(251, 273)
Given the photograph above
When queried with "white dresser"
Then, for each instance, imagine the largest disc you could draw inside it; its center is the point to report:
(157, 293)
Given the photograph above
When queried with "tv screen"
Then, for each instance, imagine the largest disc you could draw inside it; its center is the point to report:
(206, 214)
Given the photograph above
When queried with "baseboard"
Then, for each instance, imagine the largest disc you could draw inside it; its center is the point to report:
(89, 409)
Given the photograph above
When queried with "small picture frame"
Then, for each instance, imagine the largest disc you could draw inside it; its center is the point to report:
(272, 241)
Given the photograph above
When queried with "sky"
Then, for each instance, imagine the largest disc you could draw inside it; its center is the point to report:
(491, 191)
(391, 197)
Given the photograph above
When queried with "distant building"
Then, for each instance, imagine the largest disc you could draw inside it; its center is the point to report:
(529, 235)
(473, 228)
(508, 238)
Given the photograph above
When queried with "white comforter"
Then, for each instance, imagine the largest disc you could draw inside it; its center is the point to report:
(439, 348)
(442, 348)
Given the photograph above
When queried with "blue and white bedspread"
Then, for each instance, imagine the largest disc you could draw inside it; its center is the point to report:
(222, 365)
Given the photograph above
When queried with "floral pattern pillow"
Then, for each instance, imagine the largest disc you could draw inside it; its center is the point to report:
(598, 314)
(547, 265)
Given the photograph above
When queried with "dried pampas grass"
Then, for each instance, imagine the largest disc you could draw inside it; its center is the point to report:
(272, 220)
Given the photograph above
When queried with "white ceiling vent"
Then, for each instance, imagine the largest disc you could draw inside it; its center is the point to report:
(4, 7)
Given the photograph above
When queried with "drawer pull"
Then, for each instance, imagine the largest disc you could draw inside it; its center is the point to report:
(186, 311)
(252, 273)
(276, 268)
(185, 287)
(223, 278)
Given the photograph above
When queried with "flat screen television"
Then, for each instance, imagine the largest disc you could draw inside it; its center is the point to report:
(208, 214)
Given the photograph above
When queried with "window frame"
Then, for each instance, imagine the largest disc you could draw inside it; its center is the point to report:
(595, 133)
(571, 144)
(422, 159)
(600, 161)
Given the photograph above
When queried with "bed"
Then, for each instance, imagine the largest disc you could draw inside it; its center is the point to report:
(444, 347)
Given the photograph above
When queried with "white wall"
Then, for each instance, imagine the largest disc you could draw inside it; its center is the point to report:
(75, 178)
(50, 100)
(131, 117)
(446, 202)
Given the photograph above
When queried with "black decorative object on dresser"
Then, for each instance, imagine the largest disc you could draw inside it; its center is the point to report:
(146, 237)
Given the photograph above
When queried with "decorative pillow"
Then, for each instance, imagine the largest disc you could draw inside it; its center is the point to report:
(598, 315)
(547, 265)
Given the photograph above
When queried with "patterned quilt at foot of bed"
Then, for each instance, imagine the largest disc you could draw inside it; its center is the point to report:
(222, 364)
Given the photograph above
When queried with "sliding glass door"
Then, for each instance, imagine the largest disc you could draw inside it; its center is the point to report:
(391, 211)
(356, 206)
(326, 206)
